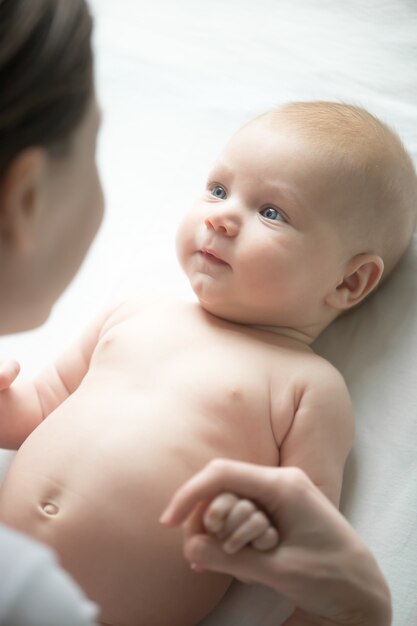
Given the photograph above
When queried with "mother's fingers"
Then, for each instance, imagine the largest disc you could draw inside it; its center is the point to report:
(205, 553)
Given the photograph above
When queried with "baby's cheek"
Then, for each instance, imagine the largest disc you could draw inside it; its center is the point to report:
(181, 243)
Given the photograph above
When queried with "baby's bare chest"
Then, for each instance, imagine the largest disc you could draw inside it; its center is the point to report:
(209, 364)
(194, 377)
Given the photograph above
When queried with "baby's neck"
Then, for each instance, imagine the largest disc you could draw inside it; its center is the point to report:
(290, 333)
(306, 335)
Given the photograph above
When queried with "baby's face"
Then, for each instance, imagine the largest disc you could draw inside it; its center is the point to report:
(259, 246)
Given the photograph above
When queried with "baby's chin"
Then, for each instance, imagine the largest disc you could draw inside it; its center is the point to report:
(215, 309)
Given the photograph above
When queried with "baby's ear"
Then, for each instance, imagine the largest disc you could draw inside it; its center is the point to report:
(362, 275)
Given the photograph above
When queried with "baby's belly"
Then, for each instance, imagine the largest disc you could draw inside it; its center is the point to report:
(92, 483)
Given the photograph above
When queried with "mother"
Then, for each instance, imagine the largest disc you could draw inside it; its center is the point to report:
(50, 210)
(51, 206)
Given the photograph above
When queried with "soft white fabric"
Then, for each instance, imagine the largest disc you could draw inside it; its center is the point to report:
(376, 350)
(175, 79)
(34, 590)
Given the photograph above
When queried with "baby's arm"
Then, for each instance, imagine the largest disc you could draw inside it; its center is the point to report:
(318, 442)
(322, 431)
(25, 404)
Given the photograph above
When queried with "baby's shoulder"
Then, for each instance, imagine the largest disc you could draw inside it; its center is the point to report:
(136, 307)
(314, 377)
(324, 390)
(317, 397)
(319, 370)
(324, 377)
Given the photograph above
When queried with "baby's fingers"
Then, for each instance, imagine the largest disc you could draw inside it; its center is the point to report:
(251, 530)
(217, 512)
(8, 372)
(238, 515)
(268, 540)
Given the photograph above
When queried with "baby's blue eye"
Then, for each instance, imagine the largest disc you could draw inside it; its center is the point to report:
(217, 191)
(272, 214)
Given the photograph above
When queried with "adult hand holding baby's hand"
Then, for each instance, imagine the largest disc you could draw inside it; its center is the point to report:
(238, 522)
(9, 371)
(320, 563)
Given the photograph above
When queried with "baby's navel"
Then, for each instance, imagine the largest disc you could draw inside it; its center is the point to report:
(49, 508)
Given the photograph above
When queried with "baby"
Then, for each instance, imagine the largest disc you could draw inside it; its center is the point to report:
(307, 208)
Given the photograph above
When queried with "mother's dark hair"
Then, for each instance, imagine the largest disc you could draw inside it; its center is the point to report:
(46, 74)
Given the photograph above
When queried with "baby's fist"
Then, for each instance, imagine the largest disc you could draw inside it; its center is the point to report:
(238, 522)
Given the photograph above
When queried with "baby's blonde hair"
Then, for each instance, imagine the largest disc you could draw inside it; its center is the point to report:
(367, 158)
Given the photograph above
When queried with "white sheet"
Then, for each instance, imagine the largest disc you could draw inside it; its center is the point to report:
(175, 80)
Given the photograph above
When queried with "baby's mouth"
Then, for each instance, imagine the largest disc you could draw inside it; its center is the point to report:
(212, 257)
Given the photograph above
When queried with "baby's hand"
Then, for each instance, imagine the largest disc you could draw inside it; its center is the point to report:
(237, 522)
(8, 372)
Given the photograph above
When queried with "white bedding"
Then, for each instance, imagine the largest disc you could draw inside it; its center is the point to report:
(175, 79)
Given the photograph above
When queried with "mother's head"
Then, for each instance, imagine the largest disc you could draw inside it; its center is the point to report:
(50, 194)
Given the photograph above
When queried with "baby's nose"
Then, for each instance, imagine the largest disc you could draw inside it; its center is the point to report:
(222, 224)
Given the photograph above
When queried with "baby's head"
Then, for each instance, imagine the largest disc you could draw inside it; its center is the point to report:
(307, 209)
(368, 175)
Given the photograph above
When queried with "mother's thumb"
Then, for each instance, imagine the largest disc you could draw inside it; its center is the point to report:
(205, 553)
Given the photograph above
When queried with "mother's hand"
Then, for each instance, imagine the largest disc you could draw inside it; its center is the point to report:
(320, 563)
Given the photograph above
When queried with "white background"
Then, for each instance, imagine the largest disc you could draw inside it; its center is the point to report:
(175, 79)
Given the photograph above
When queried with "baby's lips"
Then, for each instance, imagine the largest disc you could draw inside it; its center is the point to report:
(213, 256)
